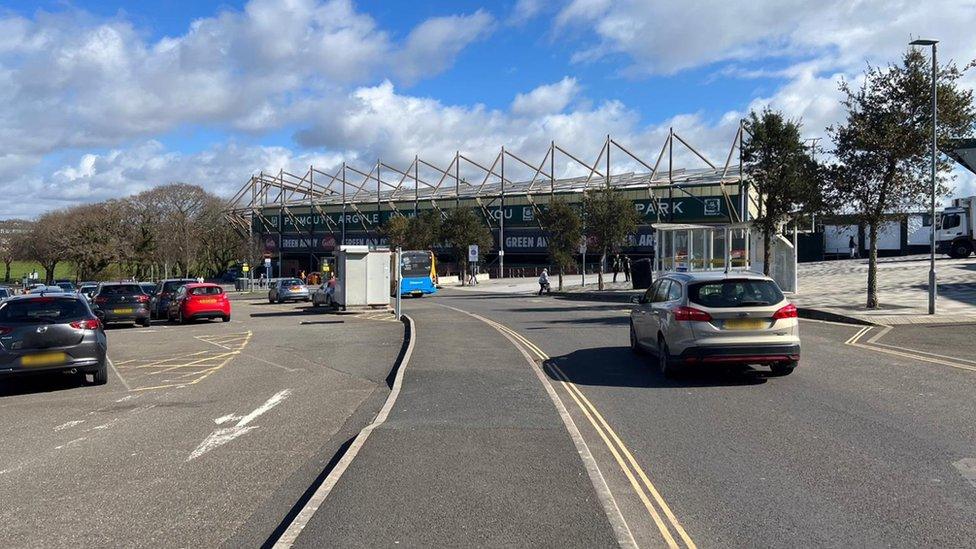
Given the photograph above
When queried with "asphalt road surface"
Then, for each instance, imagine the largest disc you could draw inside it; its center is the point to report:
(871, 442)
(205, 434)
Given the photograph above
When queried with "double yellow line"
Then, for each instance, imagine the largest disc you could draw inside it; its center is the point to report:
(668, 525)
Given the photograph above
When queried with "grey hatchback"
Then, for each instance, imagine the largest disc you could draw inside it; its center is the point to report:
(288, 289)
(51, 333)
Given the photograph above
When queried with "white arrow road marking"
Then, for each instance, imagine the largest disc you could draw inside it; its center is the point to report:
(224, 435)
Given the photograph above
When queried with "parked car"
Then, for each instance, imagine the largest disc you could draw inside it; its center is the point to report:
(5, 292)
(87, 289)
(288, 289)
(45, 289)
(197, 301)
(165, 291)
(121, 302)
(51, 333)
(322, 296)
(148, 288)
(703, 318)
(65, 286)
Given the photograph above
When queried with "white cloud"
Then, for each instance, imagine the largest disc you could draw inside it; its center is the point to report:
(546, 99)
(433, 45)
(525, 10)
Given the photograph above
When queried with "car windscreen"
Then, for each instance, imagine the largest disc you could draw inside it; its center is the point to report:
(206, 290)
(174, 285)
(735, 293)
(416, 264)
(43, 309)
(120, 289)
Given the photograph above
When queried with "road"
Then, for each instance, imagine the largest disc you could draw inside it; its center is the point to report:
(205, 434)
(867, 444)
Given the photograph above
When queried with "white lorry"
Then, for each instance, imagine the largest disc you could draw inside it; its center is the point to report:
(956, 234)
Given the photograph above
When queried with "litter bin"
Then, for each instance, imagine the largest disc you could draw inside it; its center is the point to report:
(641, 273)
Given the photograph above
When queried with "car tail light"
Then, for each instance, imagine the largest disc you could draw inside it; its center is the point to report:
(164, 295)
(4, 330)
(89, 324)
(788, 311)
(142, 298)
(691, 314)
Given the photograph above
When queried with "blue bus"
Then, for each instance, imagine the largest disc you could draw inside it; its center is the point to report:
(419, 273)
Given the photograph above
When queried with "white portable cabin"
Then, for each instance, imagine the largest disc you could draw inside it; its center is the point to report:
(363, 277)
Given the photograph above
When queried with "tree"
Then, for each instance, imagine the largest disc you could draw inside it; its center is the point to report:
(564, 229)
(780, 170)
(610, 219)
(46, 242)
(460, 229)
(97, 237)
(424, 231)
(395, 230)
(11, 231)
(882, 148)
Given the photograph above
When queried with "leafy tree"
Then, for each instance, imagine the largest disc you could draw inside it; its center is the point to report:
(395, 230)
(460, 229)
(564, 229)
(610, 218)
(10, 248)
(423, 232)
(46, 242)
(97, 238)
(882, 149)
(785, 176)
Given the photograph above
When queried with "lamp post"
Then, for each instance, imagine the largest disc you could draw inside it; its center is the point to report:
(935, 122)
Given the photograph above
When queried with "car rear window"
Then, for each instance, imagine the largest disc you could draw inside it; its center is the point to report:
(121, 289)
(291, 282)
(43, 309)
(174, 285)
(207, 290)
(735, 293)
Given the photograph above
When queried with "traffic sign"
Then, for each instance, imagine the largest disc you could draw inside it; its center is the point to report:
(473, 252)
(582, 245)
(245, 268)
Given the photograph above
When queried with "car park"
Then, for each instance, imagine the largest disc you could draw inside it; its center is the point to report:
(51, 333)
(197, 301)
(121, 302)
(87, 289)
(148, 288)
(288, 289)
(165, 291)
(65, 286)
(709, 318)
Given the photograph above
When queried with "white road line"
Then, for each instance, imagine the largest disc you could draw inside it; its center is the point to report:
(226, 434)
(116, 370)
(301, 520)
(68, 424)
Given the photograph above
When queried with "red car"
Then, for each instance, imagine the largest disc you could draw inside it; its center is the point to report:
(199, 300)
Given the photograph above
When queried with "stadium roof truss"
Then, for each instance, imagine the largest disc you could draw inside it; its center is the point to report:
(354, 188)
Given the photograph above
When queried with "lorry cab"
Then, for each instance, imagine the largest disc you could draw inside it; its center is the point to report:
(955, 229)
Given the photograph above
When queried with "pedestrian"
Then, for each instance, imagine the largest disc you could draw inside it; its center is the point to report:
(301, 275)
(626, 268)
(852, 244)
(616, 266)
(544, 282)
(330, 288)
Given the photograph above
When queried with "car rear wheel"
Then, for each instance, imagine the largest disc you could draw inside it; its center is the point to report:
(145, 323)
(634, 345)
(664, 361)
(100, 376)
(226, 318)
(783, 368)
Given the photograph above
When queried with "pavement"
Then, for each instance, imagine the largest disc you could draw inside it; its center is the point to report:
(867, 444)
(206, 433)
(474, 453)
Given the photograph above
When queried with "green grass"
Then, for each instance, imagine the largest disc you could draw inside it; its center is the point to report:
(19, 269)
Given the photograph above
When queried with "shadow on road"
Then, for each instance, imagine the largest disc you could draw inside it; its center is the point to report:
(620, 367)
(39, 383)
(615, 320)
(305, 311)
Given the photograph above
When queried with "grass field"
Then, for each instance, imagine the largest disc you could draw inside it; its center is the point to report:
(19, 269)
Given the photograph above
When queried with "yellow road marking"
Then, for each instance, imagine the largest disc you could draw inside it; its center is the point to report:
(221, 358)
(607, 433)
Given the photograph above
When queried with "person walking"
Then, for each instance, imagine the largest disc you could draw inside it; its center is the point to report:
(544, 282)
(616, 266)
(626, 269)
(852, 244)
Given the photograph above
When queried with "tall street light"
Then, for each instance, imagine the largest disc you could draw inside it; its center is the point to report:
(935, 68)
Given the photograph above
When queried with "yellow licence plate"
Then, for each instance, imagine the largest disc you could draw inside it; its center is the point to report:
(744, 324)
(45, 359)
(208, 301)
(122, 311)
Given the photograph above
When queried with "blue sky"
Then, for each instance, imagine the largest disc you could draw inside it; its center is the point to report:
(112, 97)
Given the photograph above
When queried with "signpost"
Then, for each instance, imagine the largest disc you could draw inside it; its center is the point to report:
(267, 267)
(399, 275)
(582, 251)
(473, 260)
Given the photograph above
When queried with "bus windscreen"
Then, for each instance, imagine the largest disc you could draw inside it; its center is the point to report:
(416, 264)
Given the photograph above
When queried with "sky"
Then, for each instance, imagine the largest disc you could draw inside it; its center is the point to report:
(103, 99)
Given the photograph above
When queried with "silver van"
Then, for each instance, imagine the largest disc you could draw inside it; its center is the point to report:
(713, 318)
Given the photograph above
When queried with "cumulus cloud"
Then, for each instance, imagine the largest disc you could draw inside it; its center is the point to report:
(546, 99)
(433, 45)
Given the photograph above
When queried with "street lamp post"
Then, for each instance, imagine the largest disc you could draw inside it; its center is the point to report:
(935, 122)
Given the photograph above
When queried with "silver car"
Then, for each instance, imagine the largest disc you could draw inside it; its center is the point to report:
(706, 318)
(288, 289)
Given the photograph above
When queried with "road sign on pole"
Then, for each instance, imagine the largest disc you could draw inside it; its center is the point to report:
(473, 253)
